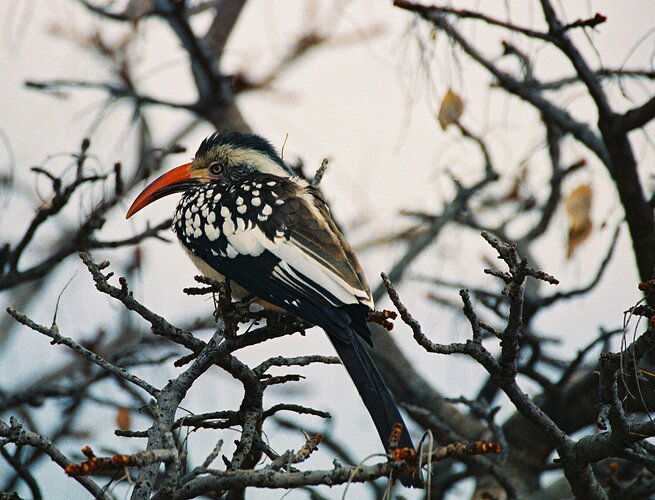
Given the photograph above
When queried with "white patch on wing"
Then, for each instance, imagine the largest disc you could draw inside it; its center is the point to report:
(298, 269)
(284, 272)
(295, 262)
(363, 295)
(231, 251)
(211, 232)
(304, 265)
(228, 225)
(284, 278)
(247, 241)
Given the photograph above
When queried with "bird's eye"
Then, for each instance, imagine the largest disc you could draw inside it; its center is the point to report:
(215, 168)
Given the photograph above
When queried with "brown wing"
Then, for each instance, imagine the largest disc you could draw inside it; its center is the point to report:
(321, 237)
(298, 224)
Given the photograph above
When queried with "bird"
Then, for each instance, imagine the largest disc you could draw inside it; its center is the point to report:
(244, 215)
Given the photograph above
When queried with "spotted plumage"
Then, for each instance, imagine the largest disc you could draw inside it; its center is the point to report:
(244, 215)
(274, 220)
(227, 213)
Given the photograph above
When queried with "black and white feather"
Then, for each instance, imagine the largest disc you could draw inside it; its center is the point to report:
(273, 236)
(270, 236)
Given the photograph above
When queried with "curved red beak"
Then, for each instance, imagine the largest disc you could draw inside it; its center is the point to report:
(174, 181)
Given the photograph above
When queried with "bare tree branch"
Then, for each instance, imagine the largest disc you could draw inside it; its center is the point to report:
(14, 433)
(636, 117)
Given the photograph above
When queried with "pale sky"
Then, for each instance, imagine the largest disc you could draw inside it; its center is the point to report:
(369, 106)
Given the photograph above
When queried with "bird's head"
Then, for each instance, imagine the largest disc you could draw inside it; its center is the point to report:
(223, 159)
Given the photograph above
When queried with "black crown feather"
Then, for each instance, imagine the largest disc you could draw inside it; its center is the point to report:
(241, 141)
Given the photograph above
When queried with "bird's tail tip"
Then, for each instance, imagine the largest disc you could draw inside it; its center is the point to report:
(413, 481)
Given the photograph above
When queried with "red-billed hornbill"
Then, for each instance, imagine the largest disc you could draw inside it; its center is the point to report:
(244, 215)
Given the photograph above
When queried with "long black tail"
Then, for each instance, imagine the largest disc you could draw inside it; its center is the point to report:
(375, 394)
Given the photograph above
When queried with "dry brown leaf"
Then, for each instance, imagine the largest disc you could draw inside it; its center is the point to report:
(451, 109)
(578, 202)
(578, 207)
(124, 418)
